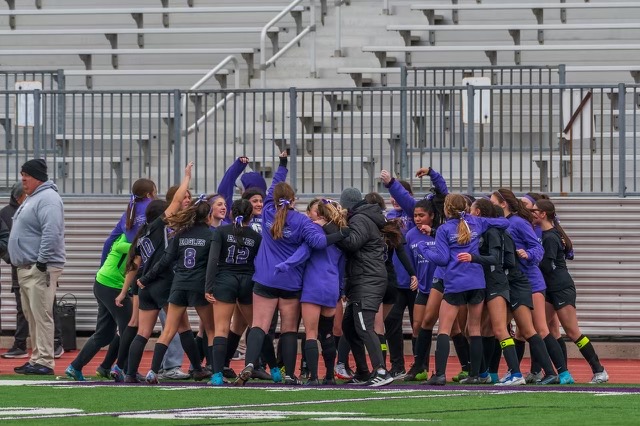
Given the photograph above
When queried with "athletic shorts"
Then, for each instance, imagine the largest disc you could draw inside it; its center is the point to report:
(421, 298)
(275, 293)
(438, 285)
(390, 295)
(187, 298)
(154, 297)
(232, 288)
(469, 297)
(561, 298)
(134, 290)
(520, 292)
(495, 289)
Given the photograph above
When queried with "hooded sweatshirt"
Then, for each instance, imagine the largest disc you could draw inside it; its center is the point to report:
(37, 233)
(525, 237)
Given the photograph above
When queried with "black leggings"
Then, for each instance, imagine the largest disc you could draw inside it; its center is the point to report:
(358, 329)
(393, 326)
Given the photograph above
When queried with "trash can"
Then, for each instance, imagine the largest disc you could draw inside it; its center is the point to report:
(66, 312)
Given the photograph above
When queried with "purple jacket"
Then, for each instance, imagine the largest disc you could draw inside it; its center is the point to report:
(424, 268)
(460, 276)
(525, 237)
(139, 219)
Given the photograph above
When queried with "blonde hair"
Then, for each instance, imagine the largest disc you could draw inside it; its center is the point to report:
(455, 206)
(333, 212)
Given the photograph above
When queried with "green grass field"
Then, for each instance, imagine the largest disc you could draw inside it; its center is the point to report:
(62, 403)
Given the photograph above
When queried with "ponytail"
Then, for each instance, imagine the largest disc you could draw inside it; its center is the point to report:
(285, 196)
(241, 211)
(464, 232)
(516, 206)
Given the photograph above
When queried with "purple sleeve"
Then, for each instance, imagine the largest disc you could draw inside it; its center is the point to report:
(439, 254)
(228, 182)
(280, 176)
(301, 255)
(485, 223)
(312, 234)
(531, 245)
(402, 197)
(438, 182)
(117, 231)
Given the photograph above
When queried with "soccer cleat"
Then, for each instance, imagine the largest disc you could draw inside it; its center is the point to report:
(117, 374)
(514, 379)
(422, 376)
(359, 379)
(202, 374)
(244, 375)
(494, 377)
(260, 374)
(131, 379)
(276, 375)
(601, 377)
(15, 353)
(151, 378)
(174, 374)
(398, 374)
(413, 373)
(74, 374)
(304, 371)
(436, 380)
(534, 377)
(565, 378)
(549, 379)
(312, 382)
(292, 381)
(328, 382)
(58, 352)
(461, 375)
(228, 373)
(102, 373)
(342, 373)
(484, 378)
(217, 379)
(470, 380)
(380, 378)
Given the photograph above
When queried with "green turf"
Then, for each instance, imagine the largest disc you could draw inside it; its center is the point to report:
(370, 406)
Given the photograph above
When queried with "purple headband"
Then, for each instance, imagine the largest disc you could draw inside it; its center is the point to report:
(530, 198)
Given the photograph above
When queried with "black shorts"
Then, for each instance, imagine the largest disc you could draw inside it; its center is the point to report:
(519, 292)
(134, 290)
(187, 298)
(275, 293)
(390, 294)
(232, 288)
(561, 298)
(421, 298)
(154, 297)
(438, 285)
(496, 289)
(469, 297)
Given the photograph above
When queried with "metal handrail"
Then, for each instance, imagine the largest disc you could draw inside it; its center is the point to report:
(203, 80)
(266, 63)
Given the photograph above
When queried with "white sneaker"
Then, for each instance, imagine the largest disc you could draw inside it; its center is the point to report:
(174, 374)
(601, 377)
(341, 372)
(511, 380)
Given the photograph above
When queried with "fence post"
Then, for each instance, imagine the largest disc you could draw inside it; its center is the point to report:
(177, 135)
(293, 136)
(36, 122)
(622, 141)
(470, 139)
(562, 74)
(404, 159)
(61, 102)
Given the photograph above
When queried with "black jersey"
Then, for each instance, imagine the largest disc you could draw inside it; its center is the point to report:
(554, 265)
(231, 253)
(151, 246)
(491, 256)
(189, 251)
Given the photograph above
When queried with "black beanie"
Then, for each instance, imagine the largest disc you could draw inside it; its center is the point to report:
(37, 169)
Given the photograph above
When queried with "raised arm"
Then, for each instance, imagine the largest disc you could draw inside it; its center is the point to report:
(226, 185)
(280, 176)
(181, 191)
(404, 199)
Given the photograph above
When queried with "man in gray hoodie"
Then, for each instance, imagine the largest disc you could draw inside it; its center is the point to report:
(36, 248)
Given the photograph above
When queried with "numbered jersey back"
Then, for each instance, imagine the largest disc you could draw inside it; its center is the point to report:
(239, 247)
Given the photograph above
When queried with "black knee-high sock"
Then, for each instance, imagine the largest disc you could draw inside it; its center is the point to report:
(413, 346)
(125, 342)
(201, 347)
(268, 354)
(158, 355)
(461, 344)
(289, 352)
(442, 353)
(136, 349)
(210, 356)
(279, 353)
(510, 356)
(488, 346)
(475, 349)
(537, 346)
(384, 348)
(555, 353)
(337, 339)
(343, 351)
(233, 340)
(112, 353)
(303, 355)
(423, 347)
(219, 353)
(494, 364)
(255, 339)
(563, 347)
(535, 365)
(328, 344)
(312, 355)
(519, 349)
(190, 347)
(589, 353)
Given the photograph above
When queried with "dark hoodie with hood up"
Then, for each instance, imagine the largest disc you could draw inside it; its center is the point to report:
(6, 220)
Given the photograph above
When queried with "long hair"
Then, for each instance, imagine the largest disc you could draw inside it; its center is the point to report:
(241, 211)
(198, 212)
(548, 207)
(332, 212)
(284, 197)
(455, 206)
(438, 207)
(139, 191)
(153, 211)
(486, 207)
(171, 192)
(516, 206)
(429, 207)
(375, 198)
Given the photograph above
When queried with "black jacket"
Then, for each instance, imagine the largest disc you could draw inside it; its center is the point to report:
(366, 274)
(6, 220)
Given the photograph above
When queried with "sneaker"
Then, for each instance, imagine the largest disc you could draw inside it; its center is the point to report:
(15, 353)
(292, 381)
(217, 379)
(549, 379)
(304, 371)
(313, 382)
(202, 374)
(22, 369)
(436, 380)
(461, 375)
(58, 352)
(228, 373)
(103, 373)
(244, 375)
(328, 382)
(565, 378)
(484, 379)
(238, 356)
(174, 374)
(276, 375)
(411, 376)
(515, 379)
(131, 379)
(601, 377)
(398, 374)
(380, 378)
(260, 374)
(422, 376)
(117, 374)
(470, 380)
(151, 378)
(534, 377)
(74, 374)
(39, 370)
(342, 373)
(494, 377)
